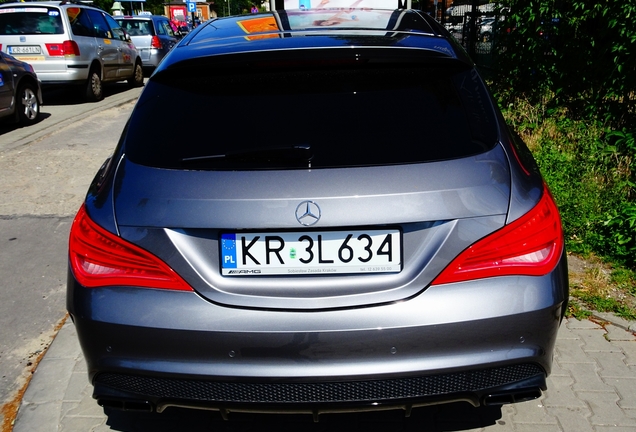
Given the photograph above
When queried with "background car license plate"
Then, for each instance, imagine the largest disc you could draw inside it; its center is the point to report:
(373, 251)
(24, 49)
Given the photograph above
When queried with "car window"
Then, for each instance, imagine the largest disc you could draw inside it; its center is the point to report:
(117, 31)
(35, 20)
(161, 27)
(81, 25)
(348, 116)
(167, 28)
(102, 30)
(135, 27)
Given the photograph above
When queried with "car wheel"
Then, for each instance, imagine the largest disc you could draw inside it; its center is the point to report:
(137, 80)
(27, 104)
(94, 90)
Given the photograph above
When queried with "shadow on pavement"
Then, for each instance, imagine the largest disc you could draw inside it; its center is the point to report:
(450, 417)
(8, 126)
(54, 96)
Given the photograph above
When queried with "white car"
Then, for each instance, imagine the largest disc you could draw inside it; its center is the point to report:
(70, 44)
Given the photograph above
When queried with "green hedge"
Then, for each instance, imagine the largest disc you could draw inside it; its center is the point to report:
(565, 76)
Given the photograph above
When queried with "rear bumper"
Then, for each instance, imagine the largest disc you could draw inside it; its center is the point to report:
(493, 386)
(158, 348)
(61, 72)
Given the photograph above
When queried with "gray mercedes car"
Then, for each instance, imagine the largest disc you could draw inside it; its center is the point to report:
(352, 226)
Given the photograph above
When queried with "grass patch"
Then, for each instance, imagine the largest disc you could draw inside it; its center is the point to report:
(591, 172)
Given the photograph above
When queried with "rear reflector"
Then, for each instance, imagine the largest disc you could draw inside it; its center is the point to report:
(99, 258)
(530, 246)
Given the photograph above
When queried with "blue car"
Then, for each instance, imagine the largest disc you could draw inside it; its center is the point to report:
(20, 92)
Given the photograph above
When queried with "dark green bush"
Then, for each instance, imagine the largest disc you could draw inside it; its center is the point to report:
(566, 75)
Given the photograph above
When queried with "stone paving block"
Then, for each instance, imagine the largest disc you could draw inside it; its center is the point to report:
(629, 349)
(616, 320)
(87, 407)
(533, 427)
(50, 376)
(612, 365)
(605, 409)
(571, 351)
(38, 417)
(560, 394)
(65, 343)
(572, 419)
(75, 424)
(573, 323)
(533, 411)
(613, 429)
(594, 340)
(615, 333)
(557, 370)
(78, 388)
(80, 365)
(587, 378)
(626, 389)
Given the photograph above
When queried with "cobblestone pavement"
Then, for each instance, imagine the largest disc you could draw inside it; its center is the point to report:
(592, 388)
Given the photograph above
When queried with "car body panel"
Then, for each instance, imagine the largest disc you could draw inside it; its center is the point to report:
(295, 345)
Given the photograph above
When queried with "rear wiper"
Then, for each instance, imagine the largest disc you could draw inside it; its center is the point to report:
(264, 154)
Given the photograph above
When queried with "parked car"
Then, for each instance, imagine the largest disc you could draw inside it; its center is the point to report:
(70, 43)
(20, 93)
(486, 29)
(152, 35)
(379, 239)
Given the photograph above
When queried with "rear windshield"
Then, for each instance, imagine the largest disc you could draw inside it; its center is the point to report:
(136, 27)
(311, 118)
(31, 20)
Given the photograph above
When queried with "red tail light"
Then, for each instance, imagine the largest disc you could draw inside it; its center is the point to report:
(155, 42)
(529, 246)
(65, 49)
(99, 258)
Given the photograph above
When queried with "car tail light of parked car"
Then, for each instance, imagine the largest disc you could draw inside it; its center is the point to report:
(65, 49)
(155, 42)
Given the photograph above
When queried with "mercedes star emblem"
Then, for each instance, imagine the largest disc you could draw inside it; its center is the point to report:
(307, 213)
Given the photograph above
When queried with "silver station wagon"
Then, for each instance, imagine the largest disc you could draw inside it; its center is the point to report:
(152, 35)
(70, 43)
(352, 227)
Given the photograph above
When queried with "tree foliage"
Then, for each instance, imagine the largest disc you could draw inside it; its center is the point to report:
(576, 60)
(580, 53)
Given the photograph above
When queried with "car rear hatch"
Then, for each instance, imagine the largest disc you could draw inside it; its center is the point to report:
(33, 33)
(141, 32)
(319, 184)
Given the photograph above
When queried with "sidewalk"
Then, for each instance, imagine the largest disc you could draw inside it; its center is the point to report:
(592, 388)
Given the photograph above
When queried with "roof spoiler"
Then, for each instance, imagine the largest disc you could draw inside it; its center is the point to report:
(340, 4)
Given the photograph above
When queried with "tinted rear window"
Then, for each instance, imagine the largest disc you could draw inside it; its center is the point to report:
(32, 20)
(311, 117)
(136, 27)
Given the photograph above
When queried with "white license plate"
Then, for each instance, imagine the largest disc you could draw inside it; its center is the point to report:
(24, 50)
(311, 253)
